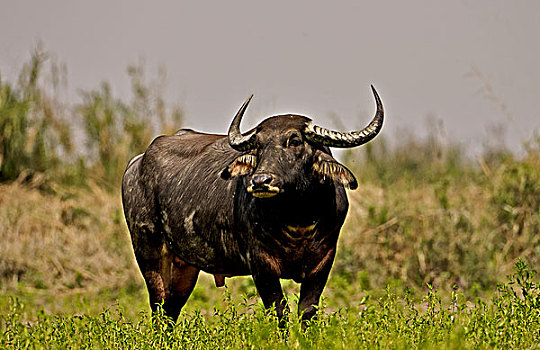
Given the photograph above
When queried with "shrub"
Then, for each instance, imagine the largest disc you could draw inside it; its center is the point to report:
(43, 139)
(33, 133)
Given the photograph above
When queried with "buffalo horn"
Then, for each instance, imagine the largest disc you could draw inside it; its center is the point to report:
(331, 138)
(236, 140)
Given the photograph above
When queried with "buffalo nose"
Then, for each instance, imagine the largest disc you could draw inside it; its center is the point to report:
(261, 179)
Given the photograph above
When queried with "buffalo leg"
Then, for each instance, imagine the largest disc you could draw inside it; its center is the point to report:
(157, 282)
(183, 280)
(310, 293)
(269, 289)
(313, 286)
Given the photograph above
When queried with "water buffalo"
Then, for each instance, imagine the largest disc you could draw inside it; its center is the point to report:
(269, 203)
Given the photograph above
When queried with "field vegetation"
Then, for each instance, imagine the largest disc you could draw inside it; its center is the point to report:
(438, 250)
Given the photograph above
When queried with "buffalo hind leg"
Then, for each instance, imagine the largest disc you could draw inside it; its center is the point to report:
(182, 281)
(169, 281)
(156, 282)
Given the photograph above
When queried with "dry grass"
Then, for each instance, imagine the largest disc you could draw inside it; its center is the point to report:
(465, 231)
(62, 243)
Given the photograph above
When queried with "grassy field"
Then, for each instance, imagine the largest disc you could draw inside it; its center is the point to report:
(509, 320)
(438, 250)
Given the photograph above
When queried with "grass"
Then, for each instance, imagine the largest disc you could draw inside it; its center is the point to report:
(509, 320)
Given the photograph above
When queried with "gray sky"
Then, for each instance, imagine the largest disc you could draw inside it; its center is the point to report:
(473, 64)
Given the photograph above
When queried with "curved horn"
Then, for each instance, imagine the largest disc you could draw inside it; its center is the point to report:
(236, 140)
(331, 138)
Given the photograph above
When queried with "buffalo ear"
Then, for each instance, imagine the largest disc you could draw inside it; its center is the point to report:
(243, 165)
(328, 168)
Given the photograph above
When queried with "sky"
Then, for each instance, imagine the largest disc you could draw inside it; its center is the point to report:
(473, 65)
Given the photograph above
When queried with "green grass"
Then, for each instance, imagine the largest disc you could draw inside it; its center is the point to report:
(511, 319)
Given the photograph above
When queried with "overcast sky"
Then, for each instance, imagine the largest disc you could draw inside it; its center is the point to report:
(473, 64)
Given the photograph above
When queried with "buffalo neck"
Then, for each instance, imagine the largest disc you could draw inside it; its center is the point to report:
(295, 208)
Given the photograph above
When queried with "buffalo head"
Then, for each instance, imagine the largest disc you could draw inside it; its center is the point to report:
(282, 151)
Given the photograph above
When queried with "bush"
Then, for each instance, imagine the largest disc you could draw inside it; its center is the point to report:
(102, 133)
(116, 131)
(440, 220)
(33, 133)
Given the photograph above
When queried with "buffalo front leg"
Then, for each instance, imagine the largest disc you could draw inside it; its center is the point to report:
(269, 289)
(313, 286)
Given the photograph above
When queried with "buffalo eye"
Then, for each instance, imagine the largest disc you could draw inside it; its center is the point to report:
(294, 141)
